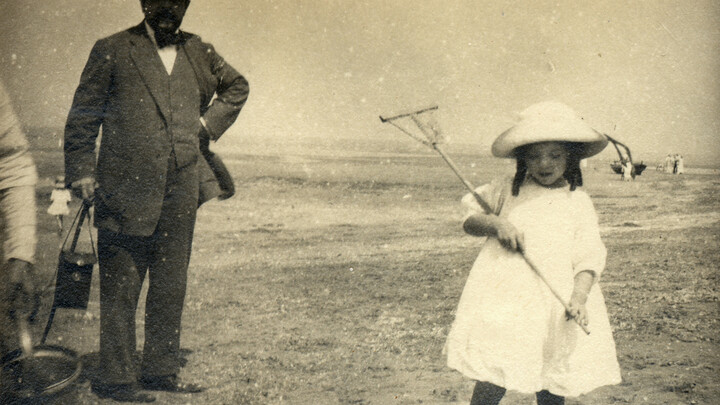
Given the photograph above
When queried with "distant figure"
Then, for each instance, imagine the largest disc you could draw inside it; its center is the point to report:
(157, 92)
(669, 163)
(680, 165)
(509, 332)
(675, 163)
(626, 171)
(60, 198)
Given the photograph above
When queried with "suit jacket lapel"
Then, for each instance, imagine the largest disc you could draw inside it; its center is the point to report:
(198, 62)
(150, 67)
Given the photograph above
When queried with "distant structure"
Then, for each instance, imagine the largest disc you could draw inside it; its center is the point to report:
(635, 169)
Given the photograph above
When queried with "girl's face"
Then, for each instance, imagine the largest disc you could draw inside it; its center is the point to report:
(546, 163)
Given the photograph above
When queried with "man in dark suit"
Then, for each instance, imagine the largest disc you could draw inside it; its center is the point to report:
(157, 93)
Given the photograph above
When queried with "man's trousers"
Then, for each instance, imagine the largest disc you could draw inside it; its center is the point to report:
(164, 257)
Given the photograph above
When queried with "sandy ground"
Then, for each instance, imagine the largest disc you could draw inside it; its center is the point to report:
(334, 280)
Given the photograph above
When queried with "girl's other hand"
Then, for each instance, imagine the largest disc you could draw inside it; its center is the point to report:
(576, 308)
(509, 236)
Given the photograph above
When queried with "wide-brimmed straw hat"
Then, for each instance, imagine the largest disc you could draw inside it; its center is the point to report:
(549, 121)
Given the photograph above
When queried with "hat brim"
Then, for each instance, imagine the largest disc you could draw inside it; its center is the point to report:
(531, 131)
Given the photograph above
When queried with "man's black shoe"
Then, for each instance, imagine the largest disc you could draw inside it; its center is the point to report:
(169, 383)
(122, 392)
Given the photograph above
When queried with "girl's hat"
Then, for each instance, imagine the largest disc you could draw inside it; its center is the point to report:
(549, 121)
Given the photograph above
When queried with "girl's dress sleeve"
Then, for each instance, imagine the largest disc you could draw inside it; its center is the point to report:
(492, 193)
(589, 252)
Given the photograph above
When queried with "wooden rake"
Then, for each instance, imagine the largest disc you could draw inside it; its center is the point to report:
(431, 138)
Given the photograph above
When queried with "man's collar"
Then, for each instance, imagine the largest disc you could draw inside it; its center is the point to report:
(151, 33)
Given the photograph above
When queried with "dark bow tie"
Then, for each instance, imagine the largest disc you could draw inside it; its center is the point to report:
(164, 40)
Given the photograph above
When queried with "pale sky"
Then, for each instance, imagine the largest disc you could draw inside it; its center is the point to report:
(645, 72)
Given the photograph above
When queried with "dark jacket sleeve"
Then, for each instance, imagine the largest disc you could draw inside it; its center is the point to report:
(231, 93)
(87, 113)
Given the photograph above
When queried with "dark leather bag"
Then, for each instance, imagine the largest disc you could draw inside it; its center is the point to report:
(74, 270)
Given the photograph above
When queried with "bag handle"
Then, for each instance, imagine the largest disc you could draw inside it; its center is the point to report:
(83, 212)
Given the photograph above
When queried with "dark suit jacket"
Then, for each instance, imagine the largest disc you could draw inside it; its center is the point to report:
(120, 92)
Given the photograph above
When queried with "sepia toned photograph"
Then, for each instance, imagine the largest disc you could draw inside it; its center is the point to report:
(359, 202)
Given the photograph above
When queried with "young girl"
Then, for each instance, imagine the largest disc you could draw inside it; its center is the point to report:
(60, 198)
(510, 331)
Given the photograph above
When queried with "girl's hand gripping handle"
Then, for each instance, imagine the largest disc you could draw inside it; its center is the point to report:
(492, 225)
(557, 295)
(509, 236)
(576, 309)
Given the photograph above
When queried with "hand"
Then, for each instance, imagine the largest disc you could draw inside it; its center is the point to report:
(576, 308)
(84, 188)
(20, 291)
(509, 236)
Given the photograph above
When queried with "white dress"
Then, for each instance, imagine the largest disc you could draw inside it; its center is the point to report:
(509, 329)
(60, 199)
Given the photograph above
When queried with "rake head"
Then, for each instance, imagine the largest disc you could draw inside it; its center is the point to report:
(426, 129)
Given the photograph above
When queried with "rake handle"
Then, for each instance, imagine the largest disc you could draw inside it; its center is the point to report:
(477, 196)
(487, 209)
(564, 303)
(467, 184)
(535, 268)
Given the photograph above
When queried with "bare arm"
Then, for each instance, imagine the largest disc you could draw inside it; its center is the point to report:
(583, 283)
(481, 225)
(494, 226)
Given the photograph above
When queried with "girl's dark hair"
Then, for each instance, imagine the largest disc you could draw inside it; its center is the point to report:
(572, 174)
(520, 171)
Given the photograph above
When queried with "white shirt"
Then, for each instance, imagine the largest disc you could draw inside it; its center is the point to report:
(167, 55)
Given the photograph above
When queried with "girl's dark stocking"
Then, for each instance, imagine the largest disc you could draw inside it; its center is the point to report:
(544, 397)
(487, 394)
